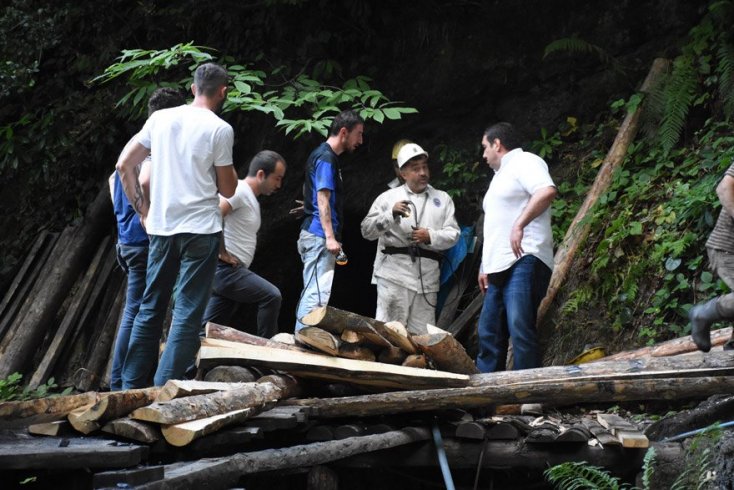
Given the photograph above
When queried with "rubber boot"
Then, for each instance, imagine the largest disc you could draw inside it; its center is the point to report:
(702, 316)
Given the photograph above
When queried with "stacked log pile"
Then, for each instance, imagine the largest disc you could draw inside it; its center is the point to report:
(204, 416)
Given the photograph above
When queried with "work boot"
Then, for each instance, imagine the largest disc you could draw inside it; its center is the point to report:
(702, 316)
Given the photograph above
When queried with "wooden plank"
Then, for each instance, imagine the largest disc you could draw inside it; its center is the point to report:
(18, 307)
(601, 434)
(47, 296)
(24, 275)
(63, 333)
(55, 428)
(183, 434)
(102, 346)
(632, 439)
(324, 367)
(127, 478)
(466, 317)
(85, 332)
(68, 454)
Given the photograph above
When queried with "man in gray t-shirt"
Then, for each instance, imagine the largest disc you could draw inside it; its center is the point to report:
(720, 250)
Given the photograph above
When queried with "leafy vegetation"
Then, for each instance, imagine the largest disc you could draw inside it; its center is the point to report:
(695, 474)
(11, 389)
(702, 77)
(645, 251)
(300, 104)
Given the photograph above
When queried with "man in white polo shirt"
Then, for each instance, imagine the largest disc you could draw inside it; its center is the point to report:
(193, 161)
(517, 258)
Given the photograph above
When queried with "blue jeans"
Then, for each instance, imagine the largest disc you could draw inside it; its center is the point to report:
(318, 274)
(188, 262)
(133, 260)
(510, 308)
(234, 285)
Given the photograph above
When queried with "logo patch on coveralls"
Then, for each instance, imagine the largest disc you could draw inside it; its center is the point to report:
(437, 202)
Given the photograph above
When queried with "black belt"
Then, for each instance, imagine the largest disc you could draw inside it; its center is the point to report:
(413, 252)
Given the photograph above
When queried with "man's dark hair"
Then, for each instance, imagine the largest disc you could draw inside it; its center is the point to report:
(506, 133)
(265, 160)
(345, 119)
(164, 98)
(208, 78)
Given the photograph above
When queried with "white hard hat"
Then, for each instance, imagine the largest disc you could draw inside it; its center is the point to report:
(408, 151)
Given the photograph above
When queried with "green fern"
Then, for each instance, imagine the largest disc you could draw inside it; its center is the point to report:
(577, 45)
(680, 91)
(581, 475)
(648, 468)
(725, 70)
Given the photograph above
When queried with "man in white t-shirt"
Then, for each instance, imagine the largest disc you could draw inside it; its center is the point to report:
(517, 258)
(193, 161)
(234, 282)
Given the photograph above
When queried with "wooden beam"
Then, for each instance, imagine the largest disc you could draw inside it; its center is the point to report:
(548, 392)
(579, 227)
(674, 347)
(324, 367)
(23, 413)
(69, 323)
(225, 472)
(185, 433)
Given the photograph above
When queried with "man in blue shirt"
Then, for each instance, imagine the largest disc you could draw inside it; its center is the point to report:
(319, 241)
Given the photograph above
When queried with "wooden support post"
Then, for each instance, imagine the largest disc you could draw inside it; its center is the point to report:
(579, 228)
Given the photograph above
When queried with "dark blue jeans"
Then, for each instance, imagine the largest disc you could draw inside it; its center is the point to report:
(133, 260)
(188, 262)
(235, 285)
(510, 308)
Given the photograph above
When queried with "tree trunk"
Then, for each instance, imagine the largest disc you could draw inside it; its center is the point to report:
(48, 294)
(251, 395)
(579, 228)
(392, 355)
(416, 361)
(356, 352)
(115, 405)
(446, 352)
(24, 413)
(336, 321)
(325, 367)
(549, 392)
